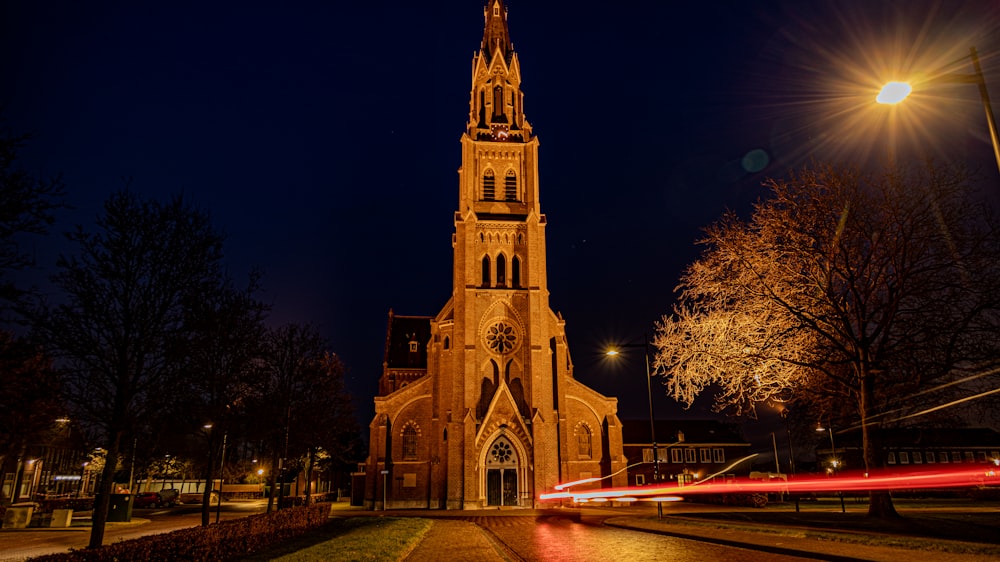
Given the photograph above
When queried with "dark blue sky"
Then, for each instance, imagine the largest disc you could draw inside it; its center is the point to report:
(324, 136)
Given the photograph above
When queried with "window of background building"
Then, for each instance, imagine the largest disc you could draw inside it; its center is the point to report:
(677, 455)
(689, 455)
(718, 455)
(705, 455)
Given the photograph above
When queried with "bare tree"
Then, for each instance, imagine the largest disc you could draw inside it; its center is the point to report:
(876, 294)
(324, 430)
(126, 295)
(223, 346)
(307, 409)
(27, 204)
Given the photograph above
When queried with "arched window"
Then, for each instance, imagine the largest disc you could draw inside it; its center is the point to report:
(584, 450)
(497, 101)
(489, 186)
(515, 272)
(410, 443)
(501, 271)
(486, 271)
(447, 342)
(510, 186)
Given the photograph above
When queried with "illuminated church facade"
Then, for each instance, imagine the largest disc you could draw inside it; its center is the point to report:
(477, 407)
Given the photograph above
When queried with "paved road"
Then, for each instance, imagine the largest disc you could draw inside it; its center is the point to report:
(584, 539)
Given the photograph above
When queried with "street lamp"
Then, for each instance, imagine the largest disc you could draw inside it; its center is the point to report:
(895, 92)
(833, 460)
(613, 352)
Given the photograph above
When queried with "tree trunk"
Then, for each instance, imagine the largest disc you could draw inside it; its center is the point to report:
(206, 495)
(273, 480)
(879, 502)
(309, 467)
(102, 497)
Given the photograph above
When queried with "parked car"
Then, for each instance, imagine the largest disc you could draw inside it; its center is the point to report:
(146, 499)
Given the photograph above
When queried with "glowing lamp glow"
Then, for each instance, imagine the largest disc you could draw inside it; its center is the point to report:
(893, 92)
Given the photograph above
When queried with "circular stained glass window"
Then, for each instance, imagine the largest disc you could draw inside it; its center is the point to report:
(501, 337)
(501, 451)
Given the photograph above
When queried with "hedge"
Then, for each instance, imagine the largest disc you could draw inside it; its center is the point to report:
(227, 540)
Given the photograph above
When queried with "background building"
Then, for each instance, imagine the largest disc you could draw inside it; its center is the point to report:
(688, 450)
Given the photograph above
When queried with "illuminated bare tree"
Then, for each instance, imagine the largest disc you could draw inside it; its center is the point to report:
(866, 292)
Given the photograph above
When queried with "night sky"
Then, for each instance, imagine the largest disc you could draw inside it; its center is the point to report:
(324, 136)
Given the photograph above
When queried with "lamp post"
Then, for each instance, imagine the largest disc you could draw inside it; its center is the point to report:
(652, 425)
(222, 471)
(895, 92)
(833, 459)
(788, 436)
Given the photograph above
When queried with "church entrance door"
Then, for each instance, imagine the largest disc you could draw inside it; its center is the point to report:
(501, 474)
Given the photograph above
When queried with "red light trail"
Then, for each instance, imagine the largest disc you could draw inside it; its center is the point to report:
(843, 482)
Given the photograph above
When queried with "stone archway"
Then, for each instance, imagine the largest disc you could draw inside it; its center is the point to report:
(502, 466)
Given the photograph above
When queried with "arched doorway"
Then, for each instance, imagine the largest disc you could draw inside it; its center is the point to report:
(501, 473)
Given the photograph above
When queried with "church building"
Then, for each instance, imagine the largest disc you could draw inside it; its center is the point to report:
(477, 406)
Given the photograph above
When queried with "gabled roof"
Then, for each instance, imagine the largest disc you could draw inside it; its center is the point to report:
(401, 331)
(636, 431)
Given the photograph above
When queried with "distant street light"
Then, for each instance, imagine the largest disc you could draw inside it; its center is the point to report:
(833, 459)
(613, 352)
(895, 92)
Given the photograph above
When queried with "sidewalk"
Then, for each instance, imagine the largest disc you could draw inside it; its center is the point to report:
(452, 535)
(831, 544)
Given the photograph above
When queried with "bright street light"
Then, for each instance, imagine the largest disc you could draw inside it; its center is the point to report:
(895, 92)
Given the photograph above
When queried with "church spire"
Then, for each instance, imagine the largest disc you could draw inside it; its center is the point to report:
(496, 37)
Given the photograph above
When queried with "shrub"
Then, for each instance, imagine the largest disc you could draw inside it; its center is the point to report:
(225, 541)
(738, 500)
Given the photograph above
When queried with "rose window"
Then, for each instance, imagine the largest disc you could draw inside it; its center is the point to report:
(501, 337)
(501, 452)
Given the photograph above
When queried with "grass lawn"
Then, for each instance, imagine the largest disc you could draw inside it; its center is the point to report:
(352, 538)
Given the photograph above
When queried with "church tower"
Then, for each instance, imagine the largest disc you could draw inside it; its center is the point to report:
(478, 406)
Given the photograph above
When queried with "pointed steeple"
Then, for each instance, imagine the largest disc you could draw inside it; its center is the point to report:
(496, 108)
(496, 37)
